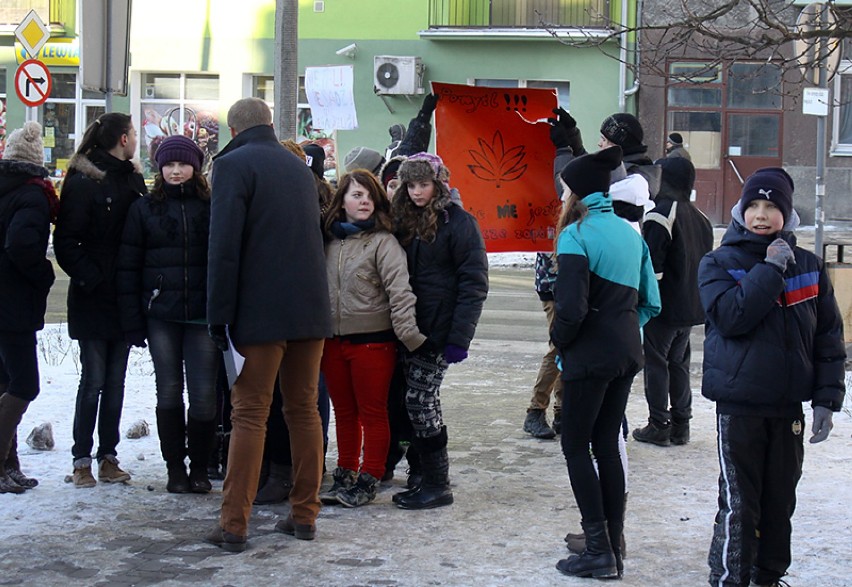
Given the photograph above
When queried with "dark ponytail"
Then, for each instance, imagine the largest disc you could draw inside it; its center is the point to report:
(105, 132)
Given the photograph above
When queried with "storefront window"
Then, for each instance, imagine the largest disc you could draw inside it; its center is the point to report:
(178, 103)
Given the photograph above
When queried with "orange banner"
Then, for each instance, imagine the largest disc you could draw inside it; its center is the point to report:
(496, 143)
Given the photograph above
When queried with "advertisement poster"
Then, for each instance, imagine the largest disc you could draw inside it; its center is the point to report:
(496, 143)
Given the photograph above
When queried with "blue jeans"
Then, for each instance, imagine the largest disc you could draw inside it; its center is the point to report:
(100, 396)
(179, 346)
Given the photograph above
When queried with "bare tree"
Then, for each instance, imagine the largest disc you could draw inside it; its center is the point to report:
(286, 67)
(717, 32)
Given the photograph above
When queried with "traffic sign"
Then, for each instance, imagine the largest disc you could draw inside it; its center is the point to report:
(33, 82)
(32, 33)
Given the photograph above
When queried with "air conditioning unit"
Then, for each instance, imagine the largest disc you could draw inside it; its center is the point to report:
(397, 75)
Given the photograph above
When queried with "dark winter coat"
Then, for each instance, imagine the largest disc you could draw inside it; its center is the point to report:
(640, 163)
(266, 265)
(96, 195)
(772, 340)
(605, 291)
(162, 264)
(678, 235)
(25, 273)
(678, 151)
(449, 276)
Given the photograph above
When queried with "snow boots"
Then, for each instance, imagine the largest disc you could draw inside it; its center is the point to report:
(597, 560)
(11, 411)
(654, 433)
(278, 485)
(434, 491)
(536, 425)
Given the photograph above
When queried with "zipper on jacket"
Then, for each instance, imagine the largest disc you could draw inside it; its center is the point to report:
(155, 293)
(185, 256)
(339, 281)
(787, 345)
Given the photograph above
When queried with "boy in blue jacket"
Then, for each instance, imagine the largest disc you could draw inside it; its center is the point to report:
(773, 339)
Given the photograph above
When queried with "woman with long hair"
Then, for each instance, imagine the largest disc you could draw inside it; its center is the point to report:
(449, 276)
(371, 306)
(605, 291)
(101, 184)
(162, 285)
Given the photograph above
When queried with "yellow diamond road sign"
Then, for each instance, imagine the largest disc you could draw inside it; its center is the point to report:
(32, 33)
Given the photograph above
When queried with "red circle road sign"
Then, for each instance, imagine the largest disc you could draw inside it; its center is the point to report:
(33, 82)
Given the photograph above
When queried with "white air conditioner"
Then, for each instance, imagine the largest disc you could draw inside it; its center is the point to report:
(397, 75)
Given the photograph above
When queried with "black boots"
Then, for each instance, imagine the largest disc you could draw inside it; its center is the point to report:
(278, 485)
(654, 433)
(200, 437)
(12, 409)
(536, 425)
(171, 428)
(597, 561)
(434, 491)
(680, 431)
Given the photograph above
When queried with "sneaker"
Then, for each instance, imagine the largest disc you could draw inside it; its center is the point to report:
(653, 433)
(536, 425)
(362, 493)
(82, 476)
(110, 472)
(301, 531)
(343, 479)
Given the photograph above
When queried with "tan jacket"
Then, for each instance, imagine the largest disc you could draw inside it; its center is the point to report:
(369, 289)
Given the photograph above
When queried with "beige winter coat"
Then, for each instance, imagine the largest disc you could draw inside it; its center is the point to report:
(369, 289)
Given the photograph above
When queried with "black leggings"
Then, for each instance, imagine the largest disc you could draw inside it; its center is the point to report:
(592, 412)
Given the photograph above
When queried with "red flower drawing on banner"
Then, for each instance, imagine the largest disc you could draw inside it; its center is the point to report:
(495, 163)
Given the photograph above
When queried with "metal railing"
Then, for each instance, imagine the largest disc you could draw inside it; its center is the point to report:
(503, 14)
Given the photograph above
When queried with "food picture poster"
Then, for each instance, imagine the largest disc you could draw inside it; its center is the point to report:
(496, 143)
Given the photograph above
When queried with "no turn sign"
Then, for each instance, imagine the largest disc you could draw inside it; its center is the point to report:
(33, 82)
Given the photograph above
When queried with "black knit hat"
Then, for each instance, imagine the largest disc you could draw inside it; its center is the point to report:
(623, 129)
(590, 173)
(773, 184)
(315, 158)
(676, 139)
(179, 148)
(678, 175)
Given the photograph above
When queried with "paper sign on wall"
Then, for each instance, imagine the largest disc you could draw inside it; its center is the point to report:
(329, 91)
(496, 143)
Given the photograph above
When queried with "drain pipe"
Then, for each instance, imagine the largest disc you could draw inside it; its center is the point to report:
(623, 91)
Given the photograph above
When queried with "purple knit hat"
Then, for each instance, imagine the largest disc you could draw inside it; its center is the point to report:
(179, 148)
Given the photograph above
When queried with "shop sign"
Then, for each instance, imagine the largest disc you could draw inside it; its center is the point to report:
(33, 82)
(56, 54)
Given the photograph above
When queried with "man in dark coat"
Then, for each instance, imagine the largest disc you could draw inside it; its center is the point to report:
(675, 148)
(678, 236)
(267, 285)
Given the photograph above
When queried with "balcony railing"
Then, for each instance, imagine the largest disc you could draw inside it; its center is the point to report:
(518, 13)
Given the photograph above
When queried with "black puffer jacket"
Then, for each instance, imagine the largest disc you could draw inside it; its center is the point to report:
(162, 264)
(449, 276)
(772, 340)
(96, 195)
(25, 274)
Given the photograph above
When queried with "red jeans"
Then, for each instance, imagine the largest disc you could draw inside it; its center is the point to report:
(358, 378)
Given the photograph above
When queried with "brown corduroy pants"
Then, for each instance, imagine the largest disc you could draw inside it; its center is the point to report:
(297, 363)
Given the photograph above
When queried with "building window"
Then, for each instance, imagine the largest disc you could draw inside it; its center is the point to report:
(65, 117)
(841, 143)
(178, 103)
(563, 89)
(518, 13)
(263, 87)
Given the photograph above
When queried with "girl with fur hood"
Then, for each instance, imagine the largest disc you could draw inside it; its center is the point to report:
(449, 276)
(101, 184)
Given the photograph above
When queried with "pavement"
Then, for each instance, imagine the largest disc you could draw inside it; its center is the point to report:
(513, 501)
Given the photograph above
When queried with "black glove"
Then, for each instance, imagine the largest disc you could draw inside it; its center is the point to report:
(219, 335)
(135, 338)
(568, 134)
(779, 253)
(429, 104)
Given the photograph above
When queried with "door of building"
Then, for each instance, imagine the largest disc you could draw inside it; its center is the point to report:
(730, 119)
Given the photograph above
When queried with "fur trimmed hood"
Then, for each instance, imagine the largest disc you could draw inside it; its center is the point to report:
(83, 164)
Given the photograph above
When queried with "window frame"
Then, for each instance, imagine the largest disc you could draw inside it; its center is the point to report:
(838, 149)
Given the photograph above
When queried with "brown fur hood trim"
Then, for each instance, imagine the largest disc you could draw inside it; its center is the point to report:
(84, 165)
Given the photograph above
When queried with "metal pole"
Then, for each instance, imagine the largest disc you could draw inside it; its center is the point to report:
(108, 58)
(819, 213)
